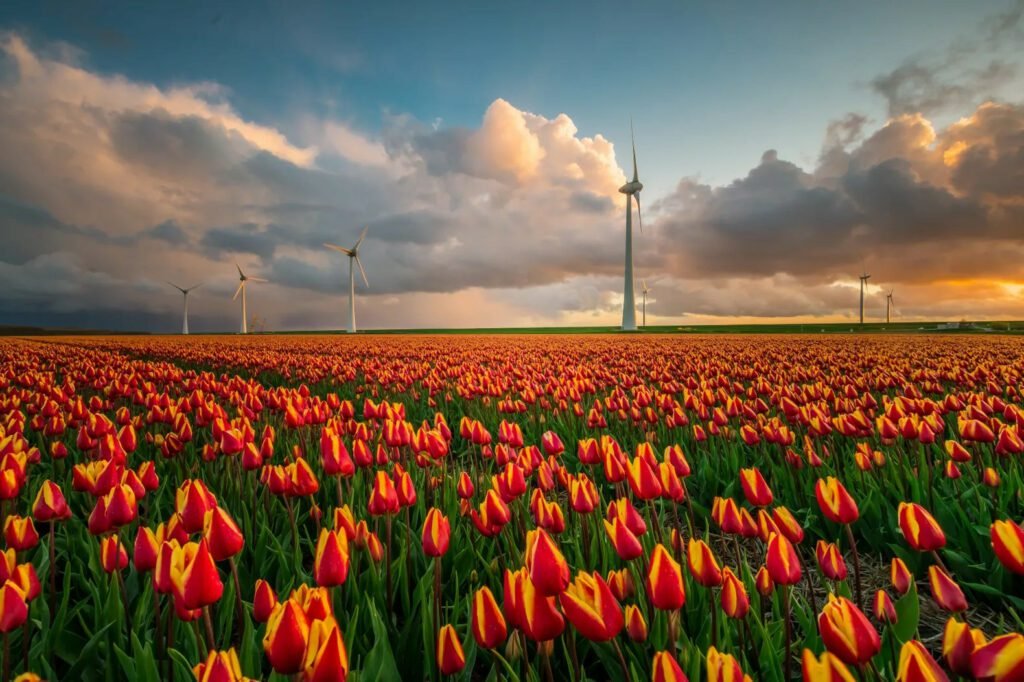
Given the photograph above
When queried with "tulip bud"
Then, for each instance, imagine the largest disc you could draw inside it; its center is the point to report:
(488, 623)
(264, 601)
(665, 668)
(847, 632)
(959, 643)
(436, 533)
(946, 593)
(222, 534)
(665, 581)
(920, 529)
(450, 657)
(885, 610)
(636, 626)
(826, 669)
(113, 556)
(900, 576)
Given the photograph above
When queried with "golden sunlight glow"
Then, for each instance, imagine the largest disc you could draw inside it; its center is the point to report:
(952, 155)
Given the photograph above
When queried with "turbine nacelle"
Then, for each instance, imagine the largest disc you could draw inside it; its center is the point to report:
(632, 187)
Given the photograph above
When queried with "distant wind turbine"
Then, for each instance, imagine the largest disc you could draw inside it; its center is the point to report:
(242, 280)
(184, 292)
(353, 261)
(888, 305)
(644, 290)
(632, 191)
(863, 284)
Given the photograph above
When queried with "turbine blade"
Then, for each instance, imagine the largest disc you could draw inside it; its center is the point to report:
(342, 249)
(256, 279)
(196, 286)
(176, 286)
(361, 238)
(238, 290)
(639, 216)
(241, 275)
(362, 272)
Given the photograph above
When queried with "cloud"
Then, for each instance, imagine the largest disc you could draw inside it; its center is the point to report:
(912, 203)
(516, 220)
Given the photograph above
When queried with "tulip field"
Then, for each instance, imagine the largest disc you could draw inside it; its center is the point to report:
(534, 507)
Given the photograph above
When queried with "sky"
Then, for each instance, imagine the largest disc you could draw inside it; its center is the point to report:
(784, 149)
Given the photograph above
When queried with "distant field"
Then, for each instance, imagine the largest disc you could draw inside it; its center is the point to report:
(1000, 327)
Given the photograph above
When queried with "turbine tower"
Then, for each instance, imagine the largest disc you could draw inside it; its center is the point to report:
(353, 260)
(184, 293)
(863, 283)
(888, 305)
(242, 280)
(644, 290)
(632, 191)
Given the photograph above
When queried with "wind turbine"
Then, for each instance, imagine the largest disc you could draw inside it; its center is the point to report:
(353, 260)
(632, 191)
(242, 279)
(888, 305)
(863, 283)
(644, 290)
(184, 292)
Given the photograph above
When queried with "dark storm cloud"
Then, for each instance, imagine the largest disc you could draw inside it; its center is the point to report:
(906, 194)
(920, 86)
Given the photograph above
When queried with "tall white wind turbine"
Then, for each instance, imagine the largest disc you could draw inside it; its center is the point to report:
(888, 305)
(644, 290)
(632, 191)
(863, 285)
(184, 293)
(243, 279)
(353, 261)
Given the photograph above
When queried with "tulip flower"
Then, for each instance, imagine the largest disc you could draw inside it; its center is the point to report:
(326, 659)
(702, 564)
(50, 504)
(591, 607)
(1008, 544)
(383, 496)
(835, 502)
(113, 555)
(665, 668)
(192, 501)
(665, 581)
(530, 610)
(644, 479)
(285, 640)
(959, 642)
(197, 582)
(946, 593)
(13, 608)
(900, 576)
(885, 610)
(487, 622)
(264, 601)
(20, 533)
(549, 571)
(1001, 660)
(830, 560)
(436, 533)
(920, 529)
(763, 582)
(847, 633)
(636, 626)
(782, 561)
(626, 545)
(330, 565)
(917, 665)
(734, 599)
(724, 668)
(755, 488)
(828, 668)
(146, 550)
(220, 666)
(222, 534)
